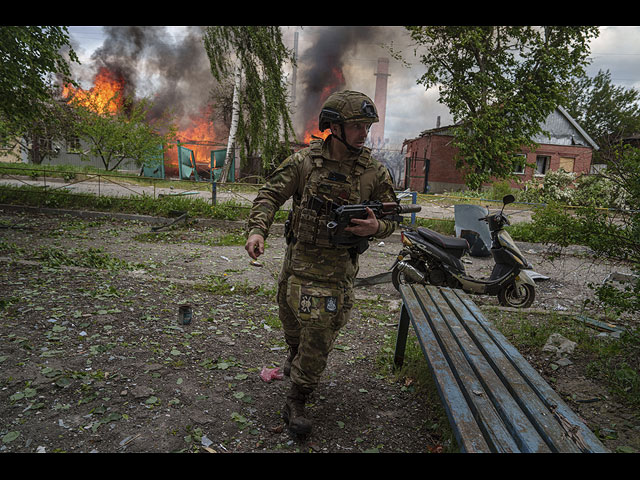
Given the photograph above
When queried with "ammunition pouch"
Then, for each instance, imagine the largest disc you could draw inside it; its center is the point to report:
(312, 228)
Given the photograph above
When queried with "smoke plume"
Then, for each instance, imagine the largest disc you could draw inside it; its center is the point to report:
(174, 71)
(176, 74)
(337, 58)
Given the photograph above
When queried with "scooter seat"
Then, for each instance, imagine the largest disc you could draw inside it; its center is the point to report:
(444, 241)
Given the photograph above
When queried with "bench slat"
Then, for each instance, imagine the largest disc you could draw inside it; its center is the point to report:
(527, 403)
(495, 400)
(567, 418)
(496, 411)
(465, 428)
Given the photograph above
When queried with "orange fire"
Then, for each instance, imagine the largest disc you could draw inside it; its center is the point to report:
(197, 136)
(311, 129)
(309, 135)
(104, 97)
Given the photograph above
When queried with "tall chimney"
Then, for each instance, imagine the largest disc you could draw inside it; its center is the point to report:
(380, 99)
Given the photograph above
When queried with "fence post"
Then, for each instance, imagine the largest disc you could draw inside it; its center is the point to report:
(414, 199)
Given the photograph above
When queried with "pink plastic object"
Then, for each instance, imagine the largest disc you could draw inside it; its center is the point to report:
(269, 374)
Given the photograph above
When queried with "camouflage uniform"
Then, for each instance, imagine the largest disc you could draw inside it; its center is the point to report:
(315, 286)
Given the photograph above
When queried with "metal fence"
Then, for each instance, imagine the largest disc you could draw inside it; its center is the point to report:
(122, 185)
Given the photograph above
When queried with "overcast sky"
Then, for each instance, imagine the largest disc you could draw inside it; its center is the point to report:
(411, 109)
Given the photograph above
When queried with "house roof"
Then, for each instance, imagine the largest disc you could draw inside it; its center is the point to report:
(560, 125)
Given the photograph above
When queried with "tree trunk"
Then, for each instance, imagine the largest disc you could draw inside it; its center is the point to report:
(233, 129)
(36, 153)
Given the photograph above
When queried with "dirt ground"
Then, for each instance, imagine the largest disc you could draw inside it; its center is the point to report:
(93, 357)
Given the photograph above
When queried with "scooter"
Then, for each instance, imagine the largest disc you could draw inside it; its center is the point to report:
(431, 258)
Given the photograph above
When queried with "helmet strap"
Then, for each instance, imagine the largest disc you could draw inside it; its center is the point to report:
(343, 140)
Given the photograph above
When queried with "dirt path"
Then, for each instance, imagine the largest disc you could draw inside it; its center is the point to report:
(93, 358)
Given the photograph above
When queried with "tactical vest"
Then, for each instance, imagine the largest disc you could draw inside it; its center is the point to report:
(313, 254)
(324, 190)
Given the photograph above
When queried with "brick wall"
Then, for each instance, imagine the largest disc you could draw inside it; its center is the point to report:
(443, 175)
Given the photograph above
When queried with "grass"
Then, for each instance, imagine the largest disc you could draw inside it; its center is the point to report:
(135, 204)
(90, 258)
(209, 238)
(444, 226)
(520, 232)
(616, 363)
(75, 173)
(195, 207)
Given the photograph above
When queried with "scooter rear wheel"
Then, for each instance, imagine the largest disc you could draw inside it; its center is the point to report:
(398, 278)
(512, 296)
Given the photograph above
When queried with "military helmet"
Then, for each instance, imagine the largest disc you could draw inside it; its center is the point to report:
(347, 106)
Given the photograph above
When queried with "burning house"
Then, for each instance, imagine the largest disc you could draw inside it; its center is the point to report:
(142, 61)
(139, 61)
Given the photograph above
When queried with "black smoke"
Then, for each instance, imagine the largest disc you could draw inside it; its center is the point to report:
(172, 67)
(330, 49)
(172, 70)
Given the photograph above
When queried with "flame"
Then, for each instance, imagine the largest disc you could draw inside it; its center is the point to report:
(104, 97)
(196, 134)
(337, 83)
(314, 133)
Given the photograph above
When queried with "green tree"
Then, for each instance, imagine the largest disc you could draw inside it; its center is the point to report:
(254, 57)
(112, 137)
(499, 83)
(43, 137)
(612, 235)
(607, 112)
(33, 61)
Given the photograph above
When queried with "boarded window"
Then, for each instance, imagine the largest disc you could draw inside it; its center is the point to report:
(566, 164)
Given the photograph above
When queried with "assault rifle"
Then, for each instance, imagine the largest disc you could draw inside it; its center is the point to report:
(340, 218)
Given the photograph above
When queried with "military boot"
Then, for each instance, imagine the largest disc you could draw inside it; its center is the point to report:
(293, 351)
(294, 410)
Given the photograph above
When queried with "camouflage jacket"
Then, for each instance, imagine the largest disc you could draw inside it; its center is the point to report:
(290, 178)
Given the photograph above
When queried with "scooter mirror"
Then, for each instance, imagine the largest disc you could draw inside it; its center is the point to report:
(508, 199)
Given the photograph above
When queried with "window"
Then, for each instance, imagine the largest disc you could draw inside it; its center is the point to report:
(519, 164)
(566, 164)
(73, 145)
(542, 164)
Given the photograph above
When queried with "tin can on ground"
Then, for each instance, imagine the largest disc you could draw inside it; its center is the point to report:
(185, 314)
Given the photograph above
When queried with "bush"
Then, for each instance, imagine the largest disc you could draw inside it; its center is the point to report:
(599, 191)
(557, 187)
(609, 234)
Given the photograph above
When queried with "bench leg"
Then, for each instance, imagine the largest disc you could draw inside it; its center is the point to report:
(401, 340)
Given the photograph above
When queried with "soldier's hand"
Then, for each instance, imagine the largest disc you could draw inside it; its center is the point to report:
(255, 246)
(364, 227)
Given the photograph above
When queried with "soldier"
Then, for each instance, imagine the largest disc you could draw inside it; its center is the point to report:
(315, 286)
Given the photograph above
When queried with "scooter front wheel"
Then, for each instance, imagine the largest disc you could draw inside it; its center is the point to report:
(517, 296)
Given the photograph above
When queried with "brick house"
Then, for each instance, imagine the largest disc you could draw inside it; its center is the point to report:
(430, 164)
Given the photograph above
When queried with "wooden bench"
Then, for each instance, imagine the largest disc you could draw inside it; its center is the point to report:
(494, 399)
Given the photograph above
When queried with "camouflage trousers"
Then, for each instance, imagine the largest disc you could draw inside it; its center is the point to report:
(312, 314)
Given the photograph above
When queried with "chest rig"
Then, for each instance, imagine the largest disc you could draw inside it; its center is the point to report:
(325, 188)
